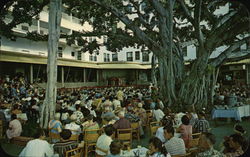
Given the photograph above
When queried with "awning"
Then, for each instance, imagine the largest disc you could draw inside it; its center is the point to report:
(123, 66)
(243, 61)
(37, 59)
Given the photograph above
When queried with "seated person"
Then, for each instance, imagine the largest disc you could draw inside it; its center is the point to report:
(122, 123)
(156, 148)
(89, 124)
(38, 147)
(186, 130)
(107, 114)
(201, 125)
(115, 148)
(78, 114)
(160, 131)
(15, 127)
(16, 109)
(206, 142)
(55, 126)
(174, 145)
(65, 144)
(238, 129)
(158, 113)
(103, 142)
(75, 128)
(236, 143)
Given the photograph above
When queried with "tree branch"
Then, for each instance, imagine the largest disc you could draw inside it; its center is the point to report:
(197, 17)
(158, 8)
(218, 35)
(129, 23)
(228, 52)
(186, 11)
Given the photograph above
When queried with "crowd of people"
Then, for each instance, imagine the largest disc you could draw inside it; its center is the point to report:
(109, 109)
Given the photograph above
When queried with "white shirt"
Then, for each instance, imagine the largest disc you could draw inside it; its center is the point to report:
(73, 126)
(160, 134)
(158, 114)
(103, 142)
(37, 148)
(116, 103)
(175, 146)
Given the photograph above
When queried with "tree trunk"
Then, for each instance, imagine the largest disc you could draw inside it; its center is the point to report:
(153, 70)
(48, 107)
(195, 87)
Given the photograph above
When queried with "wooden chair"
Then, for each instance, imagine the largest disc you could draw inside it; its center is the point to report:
(194, 143)
(183, 155)
(90, 138)
(54, 136)
(136, 129)
(125, 135)
(21, 140)
(74, 137)
(77, 152)
(103, 151)
(153, 127)
(149, 116)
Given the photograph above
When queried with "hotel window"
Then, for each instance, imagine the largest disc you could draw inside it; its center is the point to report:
(91, 57)
(108, 57)
(72, 53)
(184, 51)
(60, 52)
(145, 56)
(137, 55)
(25, 28)
(105, 39)
(79, 55)
(105, 57)
(95, 58)
(114, 57)
(129, 56)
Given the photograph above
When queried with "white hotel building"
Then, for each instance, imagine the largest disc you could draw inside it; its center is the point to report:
(75, 69)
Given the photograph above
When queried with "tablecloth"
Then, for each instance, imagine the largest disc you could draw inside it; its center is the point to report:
(236, 112)
(141, 151)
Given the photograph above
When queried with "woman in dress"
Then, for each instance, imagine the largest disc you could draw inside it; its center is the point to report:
(186, 130)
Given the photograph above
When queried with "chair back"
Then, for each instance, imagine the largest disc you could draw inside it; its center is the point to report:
(196, 135)
(54, 136)
(153, 127)
(195, 141)
(125, 135)
(74, 137)
(91, 135)
(134, 125)
(183, 155)
(77, 152)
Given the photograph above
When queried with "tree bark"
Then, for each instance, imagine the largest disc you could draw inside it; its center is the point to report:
(48, 107)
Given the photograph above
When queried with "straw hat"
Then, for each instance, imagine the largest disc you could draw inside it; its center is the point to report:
(140, 105)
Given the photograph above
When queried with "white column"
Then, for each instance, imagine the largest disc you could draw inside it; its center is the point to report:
(62, 76)
(38, 26)
(31, 73)
(84, 75)
(97, 76)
